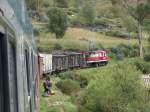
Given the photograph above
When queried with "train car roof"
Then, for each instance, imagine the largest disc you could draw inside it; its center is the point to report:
(42, 54)
(98, 51)
(59, 55)
(72, 53)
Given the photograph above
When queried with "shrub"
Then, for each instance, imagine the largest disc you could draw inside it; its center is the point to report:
(117, 33)
(71, 75)
(76, 21)
(123, 50)
(120, 56)
(116, 89)
(147, 57)
(68, 86)
(142, 66)
(112, 55)
(36, 32)
(57, 46)
(83, 81)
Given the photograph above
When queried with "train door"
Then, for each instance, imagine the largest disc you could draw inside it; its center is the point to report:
(28, 69)
(1, 78)
(8, 85)
(12, 76)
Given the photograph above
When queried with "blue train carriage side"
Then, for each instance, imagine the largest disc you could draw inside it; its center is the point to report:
(18, 59)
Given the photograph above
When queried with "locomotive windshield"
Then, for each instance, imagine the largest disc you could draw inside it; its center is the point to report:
(93, 54)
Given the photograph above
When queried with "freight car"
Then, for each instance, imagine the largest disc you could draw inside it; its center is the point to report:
(60, 62)
(74, 60)
(18, 59)
(47, 63)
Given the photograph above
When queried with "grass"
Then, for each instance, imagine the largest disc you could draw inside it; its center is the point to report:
(79, 39)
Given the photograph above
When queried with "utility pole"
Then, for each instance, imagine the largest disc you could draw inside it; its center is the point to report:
(54, 3)
(78, 3)
(140, 35)
(38, 6)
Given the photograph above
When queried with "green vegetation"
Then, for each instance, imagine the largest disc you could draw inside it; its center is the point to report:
(142, 65)
(100, 21)
(77, 39)
(122, 50)
(56, 103)
(57, 22)
(88, 12)
(68, 86)
(138, 11)
(116, 87)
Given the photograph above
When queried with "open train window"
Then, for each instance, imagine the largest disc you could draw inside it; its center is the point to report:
(27, 70)
(27, 60)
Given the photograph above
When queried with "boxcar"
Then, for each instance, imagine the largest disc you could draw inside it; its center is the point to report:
(47, 63)
(60, 62)
(74, 60)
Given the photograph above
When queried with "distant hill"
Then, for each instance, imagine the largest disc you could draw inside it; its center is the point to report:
(107, 30)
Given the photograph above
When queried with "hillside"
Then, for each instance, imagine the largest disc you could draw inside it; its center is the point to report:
(107, 31)
(79, 39)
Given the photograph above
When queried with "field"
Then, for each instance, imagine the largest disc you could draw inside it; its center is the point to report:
(79, 39)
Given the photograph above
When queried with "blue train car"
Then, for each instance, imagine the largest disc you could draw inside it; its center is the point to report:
(18, 59)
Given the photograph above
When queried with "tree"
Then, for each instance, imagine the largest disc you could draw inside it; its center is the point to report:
(117, 89)
(88, 12)
(139, 11)
(57, 22)
(31, 4)
(34, 5)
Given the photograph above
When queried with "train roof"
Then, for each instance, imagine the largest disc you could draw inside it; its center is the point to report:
(98, 51)
(72, 53)
(59, 55)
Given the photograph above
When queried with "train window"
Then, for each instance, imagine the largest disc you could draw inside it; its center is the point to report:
(32, 60)
(94, 55)
(100, 54)
(27, 70)
(86, 55)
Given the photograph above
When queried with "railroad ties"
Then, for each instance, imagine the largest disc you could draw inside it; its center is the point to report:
(146, 79)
